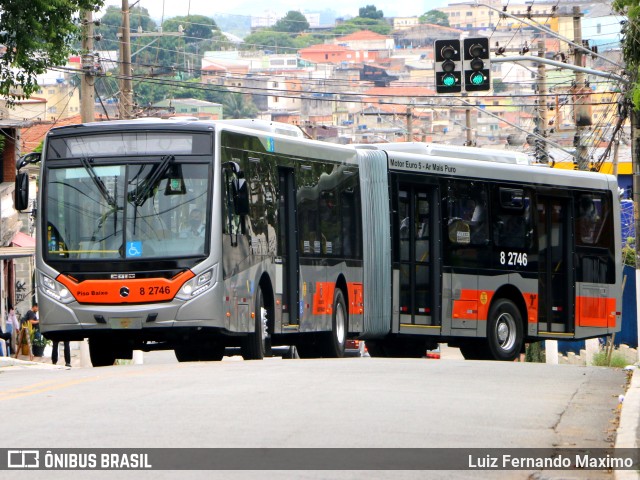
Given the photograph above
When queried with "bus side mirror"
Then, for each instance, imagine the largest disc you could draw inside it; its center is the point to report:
(241, 197)
(21, 192)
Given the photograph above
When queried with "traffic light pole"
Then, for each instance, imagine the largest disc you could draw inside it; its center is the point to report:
(467, 117)
(467, 124)
(582, 118)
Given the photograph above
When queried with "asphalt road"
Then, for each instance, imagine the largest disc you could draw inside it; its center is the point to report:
(353, 402)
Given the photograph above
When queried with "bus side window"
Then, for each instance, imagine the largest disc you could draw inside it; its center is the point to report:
(467, 213)
(232, 221)
(512, 223)
(587, 220)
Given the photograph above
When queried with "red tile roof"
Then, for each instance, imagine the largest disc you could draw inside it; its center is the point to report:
(214, 67)
(324, 47)
(32, 136)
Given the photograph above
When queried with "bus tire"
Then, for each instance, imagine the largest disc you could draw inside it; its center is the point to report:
(376, 348)
(185, 353)
(101, 352)
(256, 345)
(309, 346)
(475, 350)
(335, 344)
(504, 330)
(211, 352)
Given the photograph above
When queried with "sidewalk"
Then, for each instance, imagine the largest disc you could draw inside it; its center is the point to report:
(45, 360)
(628, 433)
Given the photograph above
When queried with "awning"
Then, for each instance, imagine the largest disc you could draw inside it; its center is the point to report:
(23, 240)
(16, 252)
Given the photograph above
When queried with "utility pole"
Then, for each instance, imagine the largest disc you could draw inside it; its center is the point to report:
(126, 89)
(580, 108)
(467, 124)
(87, 92)
(409, 115)
(542, 154)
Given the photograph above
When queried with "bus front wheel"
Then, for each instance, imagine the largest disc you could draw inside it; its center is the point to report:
(256, 345)
(504, 330)
(337, 337)
(101, 352)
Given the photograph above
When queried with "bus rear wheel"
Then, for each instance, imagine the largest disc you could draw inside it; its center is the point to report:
(257, 344)
(336, 339)
(505, 330)
(101, 352)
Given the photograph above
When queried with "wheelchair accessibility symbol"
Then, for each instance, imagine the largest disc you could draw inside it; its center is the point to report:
(134, 249)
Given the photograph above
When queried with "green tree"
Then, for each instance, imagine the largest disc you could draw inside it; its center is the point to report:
(370, 11)
(292, 22)
(195, 27)
(150, 91)
(111, 22)
(200, 33)
(279, 42)
(237, 105)
(435, 17)
(630, 44)
(359, 23)
(36, 35)
(306, 40)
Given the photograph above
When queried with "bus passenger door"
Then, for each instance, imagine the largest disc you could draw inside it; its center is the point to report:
(418, 282)
(555, 266)
(287, 246)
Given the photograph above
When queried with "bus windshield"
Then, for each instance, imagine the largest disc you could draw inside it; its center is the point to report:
(126, 211)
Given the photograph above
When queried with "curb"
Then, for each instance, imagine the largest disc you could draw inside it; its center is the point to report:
(628, 430)
(14, 362)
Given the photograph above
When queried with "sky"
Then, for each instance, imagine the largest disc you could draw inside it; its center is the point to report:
(209, 8)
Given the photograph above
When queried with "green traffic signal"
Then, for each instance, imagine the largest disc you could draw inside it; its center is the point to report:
(477, 78)
(447, 66)
(476, 64)
(448, 80)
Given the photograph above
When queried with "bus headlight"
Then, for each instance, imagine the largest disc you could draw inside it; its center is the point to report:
(55, 289)
(199, 284)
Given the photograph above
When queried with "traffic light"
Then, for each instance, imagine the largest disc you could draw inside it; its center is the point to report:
(475, 62)
(448, 66)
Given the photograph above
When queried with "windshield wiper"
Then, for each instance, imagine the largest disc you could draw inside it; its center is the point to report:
(149, 183)
(97, 181)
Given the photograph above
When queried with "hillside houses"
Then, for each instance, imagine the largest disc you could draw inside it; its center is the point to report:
(330, 84)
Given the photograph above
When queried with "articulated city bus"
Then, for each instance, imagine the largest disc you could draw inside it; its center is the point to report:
(199, 236)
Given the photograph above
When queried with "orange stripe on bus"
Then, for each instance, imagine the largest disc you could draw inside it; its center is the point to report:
(356, 298)
(474, 305)
(140, 290)
(532, 307)
(323, 298)
(596, 312)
